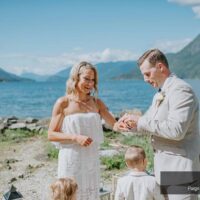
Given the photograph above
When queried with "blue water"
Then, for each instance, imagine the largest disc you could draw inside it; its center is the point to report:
(36, 99)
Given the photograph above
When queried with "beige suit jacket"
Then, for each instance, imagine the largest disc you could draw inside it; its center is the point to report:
(174, 126)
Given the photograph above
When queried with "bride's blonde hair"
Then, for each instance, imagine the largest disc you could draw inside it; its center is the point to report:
(64, 189)
(74, 77)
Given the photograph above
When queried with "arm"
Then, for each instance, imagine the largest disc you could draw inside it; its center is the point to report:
(181, 108)
(105, 114)
(54, 132)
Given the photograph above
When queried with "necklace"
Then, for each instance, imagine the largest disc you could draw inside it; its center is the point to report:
(81, 101)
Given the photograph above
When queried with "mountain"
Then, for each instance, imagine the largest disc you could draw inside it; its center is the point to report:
(118, 70)
(35, 77)
(106, 71)
(62, 75)
(186, 63)
(6, 76)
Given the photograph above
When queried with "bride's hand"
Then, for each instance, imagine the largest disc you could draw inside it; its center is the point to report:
(130, 118)
(83, 140)
(120, 126)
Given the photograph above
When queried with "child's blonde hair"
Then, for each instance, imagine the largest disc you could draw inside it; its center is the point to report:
(134, 155)
(64, 189)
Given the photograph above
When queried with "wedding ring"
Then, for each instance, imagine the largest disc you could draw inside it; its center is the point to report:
(131, 123)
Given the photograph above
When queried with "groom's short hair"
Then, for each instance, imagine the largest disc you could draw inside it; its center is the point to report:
(153, 56)
(134, 155)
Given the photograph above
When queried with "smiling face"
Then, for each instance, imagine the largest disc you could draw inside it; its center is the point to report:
(152, 74)
(86, 81)
(83, 79)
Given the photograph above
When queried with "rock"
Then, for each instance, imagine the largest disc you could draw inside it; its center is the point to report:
(38, 128)
(12, 180)
(1, 120)
(18, 125)
(12, 160)
(134, 111)
(12, 118)
(12, 121)
(5, 121)
(29, 123)
(44, 122)
(41, 130)
(21, 176)
(31, 127)
(30, 120)
(2, 128)
(108, 153)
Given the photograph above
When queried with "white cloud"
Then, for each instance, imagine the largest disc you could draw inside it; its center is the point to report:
(186, 2)
(18, 63)
(196, 10)
(195, 4)
(171, 46)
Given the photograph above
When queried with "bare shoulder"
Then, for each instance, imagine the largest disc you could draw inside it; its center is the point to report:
(101, 104)
(60, 104)
(62, 101)
(99, 101)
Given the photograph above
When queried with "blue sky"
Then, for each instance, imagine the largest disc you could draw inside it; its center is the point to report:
(45, 36)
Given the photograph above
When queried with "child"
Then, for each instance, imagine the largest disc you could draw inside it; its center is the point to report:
(64, 189)
(137, 184)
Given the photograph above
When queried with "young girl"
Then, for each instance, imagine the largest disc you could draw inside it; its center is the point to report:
(64, 189)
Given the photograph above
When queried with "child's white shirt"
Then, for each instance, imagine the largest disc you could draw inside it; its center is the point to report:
(137, 186)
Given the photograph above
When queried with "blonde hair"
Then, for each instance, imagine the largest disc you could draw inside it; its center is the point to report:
(74, 77)
(64, 189)
(134, 155)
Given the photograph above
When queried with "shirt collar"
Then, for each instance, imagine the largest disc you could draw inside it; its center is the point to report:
(167, 82)
(136, 173)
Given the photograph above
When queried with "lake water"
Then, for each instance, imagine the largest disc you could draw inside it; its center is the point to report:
(36, 99)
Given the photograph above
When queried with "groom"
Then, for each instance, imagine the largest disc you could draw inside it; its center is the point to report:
(173, 122)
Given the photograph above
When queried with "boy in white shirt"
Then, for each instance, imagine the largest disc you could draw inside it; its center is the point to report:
(137, 185)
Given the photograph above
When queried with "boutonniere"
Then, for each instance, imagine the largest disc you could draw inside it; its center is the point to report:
(160, 97)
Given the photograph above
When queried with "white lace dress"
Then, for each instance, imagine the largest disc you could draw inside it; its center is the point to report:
(79, 162)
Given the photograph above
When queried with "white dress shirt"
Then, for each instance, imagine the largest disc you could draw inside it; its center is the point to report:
(137, 186)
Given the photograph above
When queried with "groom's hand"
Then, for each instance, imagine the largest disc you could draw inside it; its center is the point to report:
(129, 120)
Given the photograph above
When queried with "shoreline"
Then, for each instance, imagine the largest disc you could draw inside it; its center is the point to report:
(28, 123)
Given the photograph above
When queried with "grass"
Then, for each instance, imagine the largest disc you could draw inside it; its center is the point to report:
(117, 162)
(144, 142)
(111, 135)
(20, 135)
(111, 164)
(17, 135)
(52, 152)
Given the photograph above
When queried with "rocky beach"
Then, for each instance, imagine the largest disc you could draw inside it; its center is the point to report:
(28, 160)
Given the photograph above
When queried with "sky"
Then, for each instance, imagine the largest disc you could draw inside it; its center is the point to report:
(46, 36)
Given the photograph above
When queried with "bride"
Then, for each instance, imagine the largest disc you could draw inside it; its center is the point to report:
(76, 129)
